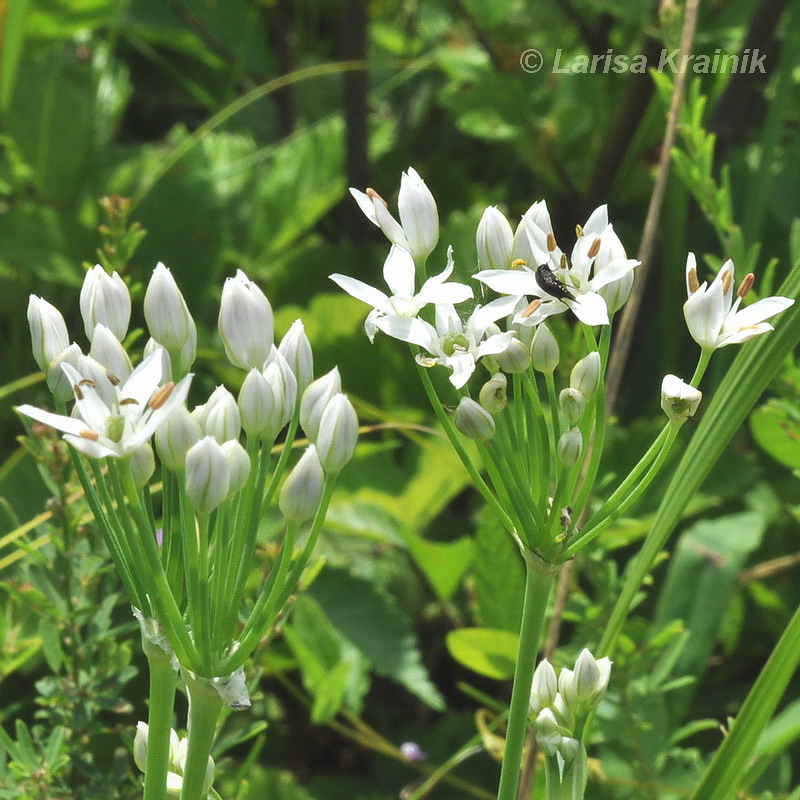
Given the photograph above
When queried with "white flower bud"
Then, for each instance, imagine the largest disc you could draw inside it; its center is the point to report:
(143, 464)
(278, 372)
(585, 375)
(140, 745)
(679, 400)
(591, 677)
(296, 349)
(314, 400)
(569, 447)
(493, 394)
(548, 732)
(567, 690)
(178, 433)
(544, 686)
(544, 350)
(418, 214)
(245, 322)
(108, 350)
(49, 337)
(57, 380)
(258, 405)
(569, 748)
(220, 417)
(239, 463)
(166, 312)
(338, 432)
(515, 359)
(494, 240)
(473, 420)
(208, 474)
(302, 490)
(572, 403)
(105, 300)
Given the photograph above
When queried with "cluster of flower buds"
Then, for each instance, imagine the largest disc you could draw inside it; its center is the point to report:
(560, 703)
(178, 750)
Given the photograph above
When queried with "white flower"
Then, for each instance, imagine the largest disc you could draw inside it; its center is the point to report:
(399, 272)
(455, 344)
(105, 299)
(49, 335)
(679, 400)
(714, 319)
(557, 283)
(418, 229)
(117, 428)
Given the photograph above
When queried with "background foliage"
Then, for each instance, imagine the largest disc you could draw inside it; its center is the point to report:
(235, 129)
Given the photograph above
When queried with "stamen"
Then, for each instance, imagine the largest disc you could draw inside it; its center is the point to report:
(160, 396)
(535, 305)
(373, 195)
(551, 242)
(87, 382)
(129, 401)
(113, 379)
(90, 435)
(518, 263)
(564, 264)
(727, 279)
(78, 393)
(746, 285)
(595, 248)
(578, 231)
(694, 283)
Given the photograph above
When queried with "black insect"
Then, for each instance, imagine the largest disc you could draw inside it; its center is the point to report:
(552, 285)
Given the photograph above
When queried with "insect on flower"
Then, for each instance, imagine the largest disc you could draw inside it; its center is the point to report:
(547, 280)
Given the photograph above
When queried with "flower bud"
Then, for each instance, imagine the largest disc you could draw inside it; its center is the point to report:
(314, 400)
(494, 240)
(569, 447)
(585, 375)
(473, 420)
(572, 403)
(105, 300)
(569, 748)
(567, 689)
(418, 215)
(548, 732)
(57, 380)
(296, 349)
(544, 350)
(178, 433)
(493, 394)
(239, 463)
(544, 686)
(338, 432)
(107, 350)
(302, 490)
(245, 322)
(278, 372)
(258, 405)
(49, 337)
(166, 312)
(591, 677)
(679, 400)
(143, 464)
(220, 417)
(515, 359)
(208, 475)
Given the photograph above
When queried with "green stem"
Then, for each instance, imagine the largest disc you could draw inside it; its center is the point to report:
(538, 580)
(163, 680)
(205, 705)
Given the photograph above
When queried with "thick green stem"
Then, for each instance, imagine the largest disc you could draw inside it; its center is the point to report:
(538, 580)
(163, 679)
(205, 705)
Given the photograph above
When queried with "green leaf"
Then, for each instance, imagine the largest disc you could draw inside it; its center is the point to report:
(444, 563)
(372, 622)
(776, 429)
(487, 651)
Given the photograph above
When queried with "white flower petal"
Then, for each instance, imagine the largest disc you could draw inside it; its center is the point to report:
(365, 204)
(761, 310)
(399, 271)
(57, 421)
(90, 448)
(408, 329)
(360, 290)
(509, 281)
(590, 308)
(463, 365)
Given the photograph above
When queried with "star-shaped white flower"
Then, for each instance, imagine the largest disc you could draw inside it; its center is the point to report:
(452, 343)
(118, 428)
(418, 229)
(399, 272)
(596, 262)
(715, 319)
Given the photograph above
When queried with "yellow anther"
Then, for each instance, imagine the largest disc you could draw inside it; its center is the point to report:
(129, 401)
(518, 263)
(594, 249)
(373, 195)
(694, 283)
(90, 435)
(746, 285)
(160, 396)
(535, 305)
(727, 280)
(551, 242)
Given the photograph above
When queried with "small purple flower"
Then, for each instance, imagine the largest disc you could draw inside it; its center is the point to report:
(413, 752)
(159, 536)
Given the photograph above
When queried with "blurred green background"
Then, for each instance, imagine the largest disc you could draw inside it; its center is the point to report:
(234, 128)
